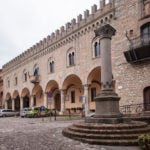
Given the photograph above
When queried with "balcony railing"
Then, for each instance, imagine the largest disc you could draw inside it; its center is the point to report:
(35, 79)
(139, 49)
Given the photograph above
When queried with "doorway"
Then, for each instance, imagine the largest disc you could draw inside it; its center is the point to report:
(147, 99)
(57, 102)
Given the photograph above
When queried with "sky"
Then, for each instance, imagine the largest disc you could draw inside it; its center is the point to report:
(23, 23)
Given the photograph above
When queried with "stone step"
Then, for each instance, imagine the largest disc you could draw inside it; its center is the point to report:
(71, 134)
(109, 142)
(110, 131)
(133, 124)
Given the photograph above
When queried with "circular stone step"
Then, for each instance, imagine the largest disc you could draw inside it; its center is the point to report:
(107, 134)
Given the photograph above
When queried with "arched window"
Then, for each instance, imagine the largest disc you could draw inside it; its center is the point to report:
(51, 65)
(145, 34)
(25, 75)
(8, 82)
(97, 49)
(70, 58)
(36, 71)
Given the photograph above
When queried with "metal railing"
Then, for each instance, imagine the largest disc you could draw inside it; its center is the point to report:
(140, 41)
(135, 108)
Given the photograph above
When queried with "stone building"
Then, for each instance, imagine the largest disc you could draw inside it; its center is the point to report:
(62, 71)
(1, 88)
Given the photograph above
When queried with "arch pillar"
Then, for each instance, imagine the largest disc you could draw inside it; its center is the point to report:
(62, 93)
(6, 104)
(45, 100)
(31, 101)
(21, 103)
(86, 95)
(13, 104)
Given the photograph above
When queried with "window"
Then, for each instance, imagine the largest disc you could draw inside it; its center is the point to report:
(93, 93)
(16, 80)
(145, 34)
(72, 96)
(25, 75)
(70, 57)
(36, 71)
(96, 49)
(8, 83)
(51, 65)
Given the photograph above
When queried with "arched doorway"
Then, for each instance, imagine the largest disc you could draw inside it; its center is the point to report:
(26, 101)
(9, 104)
(17, 103)
(57, 102)
(147, 99)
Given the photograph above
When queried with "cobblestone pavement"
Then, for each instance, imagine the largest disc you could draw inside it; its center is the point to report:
(35, 134)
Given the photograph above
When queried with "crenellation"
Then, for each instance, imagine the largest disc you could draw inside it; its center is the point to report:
(79, 18)
(68, 25)
(57, 32)
(94, 9)
(52, 36)
(102, 4)
(62, 29)
(73, 22)
(86, 14)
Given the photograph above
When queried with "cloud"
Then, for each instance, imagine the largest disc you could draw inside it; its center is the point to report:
(26, 22)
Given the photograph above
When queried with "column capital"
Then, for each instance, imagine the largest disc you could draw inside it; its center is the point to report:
(106, 31)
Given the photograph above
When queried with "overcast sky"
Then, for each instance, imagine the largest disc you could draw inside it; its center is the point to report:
(23, 23)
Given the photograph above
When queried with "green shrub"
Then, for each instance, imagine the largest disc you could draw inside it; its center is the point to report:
(144, 141)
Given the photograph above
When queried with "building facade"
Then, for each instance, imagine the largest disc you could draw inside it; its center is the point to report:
(1, 88)
(63, 71)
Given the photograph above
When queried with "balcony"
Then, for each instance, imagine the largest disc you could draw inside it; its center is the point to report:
(139, 49)
(35, 79)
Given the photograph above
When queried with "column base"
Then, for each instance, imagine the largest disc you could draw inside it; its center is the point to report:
(107, 105)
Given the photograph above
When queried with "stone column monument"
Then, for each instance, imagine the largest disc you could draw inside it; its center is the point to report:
(107, 102)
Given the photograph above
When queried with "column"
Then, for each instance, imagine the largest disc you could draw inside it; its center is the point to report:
(62, 93)
(21, 103)
(45, 100)
(31, 101)
(86, 87)
(13, 104)
(6, 104)
(107, 102)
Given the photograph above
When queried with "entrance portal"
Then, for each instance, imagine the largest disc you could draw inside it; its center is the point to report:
(147, 99)
(26, 102)
(57, 102)
(17, 103)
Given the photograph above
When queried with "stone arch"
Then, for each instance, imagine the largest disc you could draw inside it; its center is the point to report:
(9, 101)
(74, 90)
(25, 94)
(93, 81)
(38, 95)
(53, 92)
(16, 99)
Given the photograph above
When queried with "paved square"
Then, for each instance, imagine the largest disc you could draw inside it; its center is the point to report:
(35, 134)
